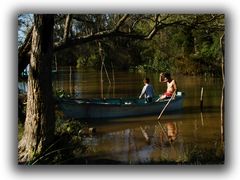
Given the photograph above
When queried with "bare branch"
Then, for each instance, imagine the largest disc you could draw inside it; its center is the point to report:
(81, 19)
(87, 38)
(120, 22)
(67, 27)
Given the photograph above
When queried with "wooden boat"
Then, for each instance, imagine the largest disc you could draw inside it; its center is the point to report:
(116, 107)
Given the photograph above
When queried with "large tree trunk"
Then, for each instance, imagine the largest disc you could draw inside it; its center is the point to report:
(40, 120)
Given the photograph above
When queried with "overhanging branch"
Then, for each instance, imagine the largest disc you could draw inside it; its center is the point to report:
(160, 22)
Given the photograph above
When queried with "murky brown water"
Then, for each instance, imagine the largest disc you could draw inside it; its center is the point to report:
(144, 139)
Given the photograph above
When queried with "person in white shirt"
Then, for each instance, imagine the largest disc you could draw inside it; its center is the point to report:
(147, 91)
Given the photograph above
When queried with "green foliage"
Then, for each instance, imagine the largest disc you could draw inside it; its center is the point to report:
(188, 49)
(61, 94)
(90, 61)
(205, 156)
(67, 147)
(69, 127)
(211, 47)
(185, 43)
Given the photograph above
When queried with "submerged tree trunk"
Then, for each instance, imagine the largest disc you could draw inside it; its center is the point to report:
(40, 120)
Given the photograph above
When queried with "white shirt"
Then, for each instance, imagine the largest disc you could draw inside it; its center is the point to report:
(147, 91)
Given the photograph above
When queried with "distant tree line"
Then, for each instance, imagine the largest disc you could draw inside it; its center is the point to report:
(180, 43)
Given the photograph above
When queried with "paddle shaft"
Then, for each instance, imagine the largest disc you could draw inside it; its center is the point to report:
(161, 115)
(166, 106)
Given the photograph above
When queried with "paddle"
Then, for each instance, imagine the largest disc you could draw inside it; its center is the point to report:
(161, 115)
(166, 105)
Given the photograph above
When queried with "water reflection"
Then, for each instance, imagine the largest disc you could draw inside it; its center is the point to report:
(170, 140)
(171, 131)
(143, 140)
(129, 145)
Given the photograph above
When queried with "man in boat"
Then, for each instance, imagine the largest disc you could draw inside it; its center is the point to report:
(147, 91)
(171, 85)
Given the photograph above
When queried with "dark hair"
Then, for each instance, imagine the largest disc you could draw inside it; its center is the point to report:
(167, 75)
(147, 80)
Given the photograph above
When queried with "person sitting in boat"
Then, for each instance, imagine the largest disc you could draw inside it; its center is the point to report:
(147, 91)
(171, 85)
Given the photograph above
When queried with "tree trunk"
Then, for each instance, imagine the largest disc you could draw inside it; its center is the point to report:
(40, 120)
(223, 88)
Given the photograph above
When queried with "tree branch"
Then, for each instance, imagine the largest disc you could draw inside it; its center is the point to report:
(83, 39)
(160, 22)
(67, 27)
(120, 22)
(24, 52)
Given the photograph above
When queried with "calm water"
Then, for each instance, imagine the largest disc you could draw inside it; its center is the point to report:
(144, 139)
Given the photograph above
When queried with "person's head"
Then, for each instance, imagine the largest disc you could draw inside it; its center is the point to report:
(146, 80)
(167, 76)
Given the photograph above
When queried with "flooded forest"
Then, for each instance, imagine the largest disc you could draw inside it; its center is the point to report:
(102, 59)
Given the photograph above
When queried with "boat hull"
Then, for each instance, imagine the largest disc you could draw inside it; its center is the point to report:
(123, 108)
